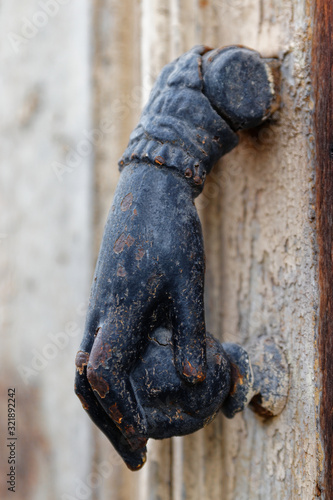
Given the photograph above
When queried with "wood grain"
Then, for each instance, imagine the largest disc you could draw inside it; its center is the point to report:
(45, 260)
(322, 69)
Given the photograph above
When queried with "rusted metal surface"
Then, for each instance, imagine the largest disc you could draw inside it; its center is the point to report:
(241, 391)
(322, 69)
(172, 406)
(150, 271)
(259, 377)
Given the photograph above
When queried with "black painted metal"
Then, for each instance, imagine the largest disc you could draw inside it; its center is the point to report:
(146, 367)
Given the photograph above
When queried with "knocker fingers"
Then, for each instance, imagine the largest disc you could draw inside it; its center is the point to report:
(114, 353)
(189, 332)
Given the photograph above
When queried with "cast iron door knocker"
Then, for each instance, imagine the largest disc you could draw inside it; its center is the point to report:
(146, 366)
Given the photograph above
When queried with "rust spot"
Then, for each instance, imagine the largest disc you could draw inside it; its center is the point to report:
(100, 354)
(274, 69)
(136, 442)
(140, 253)
(122, 241)
(138, 467)
(135, 212)
(188, 173)
(236, 379)
(218, 358)
(121, 271)
(129, 240)
(115, 414)
(97, 382)
(206, 49)
(197, 180)
(119, 244)
(83, 402)
(203, 3)
(81, 361)
(127, 202)
(190, 371)
(154, 280)
(130, 431)
(159, 160)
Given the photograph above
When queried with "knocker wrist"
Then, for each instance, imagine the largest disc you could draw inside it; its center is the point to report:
(193, 173)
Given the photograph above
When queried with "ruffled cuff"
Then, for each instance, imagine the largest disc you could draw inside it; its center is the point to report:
(178, 128)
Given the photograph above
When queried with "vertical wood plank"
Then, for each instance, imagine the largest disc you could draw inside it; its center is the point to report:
(322, 66)
(117, 94)
(46, 193)
(155, 41)
(266, 275)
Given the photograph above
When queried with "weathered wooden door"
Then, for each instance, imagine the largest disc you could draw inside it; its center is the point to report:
(75, 81)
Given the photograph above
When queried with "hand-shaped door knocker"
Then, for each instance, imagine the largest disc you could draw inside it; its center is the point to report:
(146, 366)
